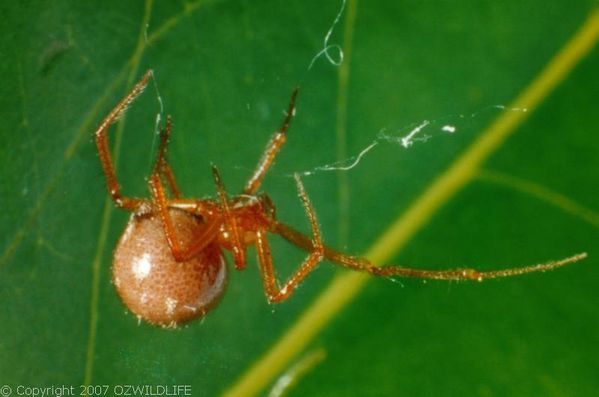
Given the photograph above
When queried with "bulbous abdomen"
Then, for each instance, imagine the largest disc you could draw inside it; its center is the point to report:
(153, 285)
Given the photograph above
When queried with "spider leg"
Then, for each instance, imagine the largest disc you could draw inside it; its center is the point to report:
(101, 138)
(364, 265)
(200, 242)
(272, 148)
(275, 293)
(229, 221)
(162, 164)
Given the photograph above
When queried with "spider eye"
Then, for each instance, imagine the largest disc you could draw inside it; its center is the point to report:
(199, 218)
(268, 206)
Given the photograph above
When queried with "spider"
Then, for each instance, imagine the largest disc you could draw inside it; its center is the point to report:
(169, 267)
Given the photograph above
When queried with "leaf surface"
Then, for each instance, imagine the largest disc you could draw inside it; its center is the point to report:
(224, 70)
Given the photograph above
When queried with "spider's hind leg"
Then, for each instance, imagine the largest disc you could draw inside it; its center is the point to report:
(272, 148)
(162, 166)
(180, 252)
(101, 137)
(229, 220)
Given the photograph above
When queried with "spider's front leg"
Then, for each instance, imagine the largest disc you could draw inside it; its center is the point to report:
(364, 265)
(275, 293)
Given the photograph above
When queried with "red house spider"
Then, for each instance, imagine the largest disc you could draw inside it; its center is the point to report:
(169, 267)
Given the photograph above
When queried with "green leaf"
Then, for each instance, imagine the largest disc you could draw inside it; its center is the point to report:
(224, 70)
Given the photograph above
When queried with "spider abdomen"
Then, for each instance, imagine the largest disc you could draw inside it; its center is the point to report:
(153, 285)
